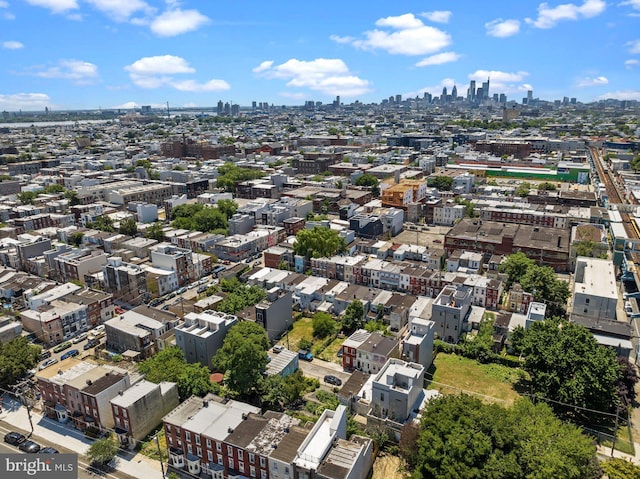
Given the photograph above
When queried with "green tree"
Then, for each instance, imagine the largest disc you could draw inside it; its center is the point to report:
(210, 220)
(239, 296)
(103, 223)
(305, 343)
(566, 364)
(323, 324)
(27, 197)
(155, 231)
(634, 164)
(353, 317)
(187, 210)
(72, 196)
(227, 207)
(515, 267)
(17, 356)
(442, 183)
(545, 286)
(128, 226)
(546, 186)
(523, 189)
(53, 188)
(585, 248)
(243, 357)
(318, 243)
(461, 437)
(170, 365)
(102, 451)
(369, 180)
(76, 238)
(616, 468)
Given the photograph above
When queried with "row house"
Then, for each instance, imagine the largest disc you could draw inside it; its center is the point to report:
(80, 391)
(368, 352)
(218, 439)
(99, 305)
(126, 282)
(78, 263)
(527, 216)
(518, 300)
(137, 332)
(180, 260)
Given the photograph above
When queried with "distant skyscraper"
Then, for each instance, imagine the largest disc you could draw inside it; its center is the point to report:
(254, 105)
(337, 101)
(479, 94)
(503, 98)
(398, 98)
(496, 98)
(444, 93)
(220, 108)
(471, 93)
(485, 90)
(454, 93)
(529, 96)
(227, 109)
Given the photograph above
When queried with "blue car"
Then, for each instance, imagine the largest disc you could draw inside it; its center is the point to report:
(69, 354)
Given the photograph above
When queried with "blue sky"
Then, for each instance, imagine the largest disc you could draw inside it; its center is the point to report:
(72, 54)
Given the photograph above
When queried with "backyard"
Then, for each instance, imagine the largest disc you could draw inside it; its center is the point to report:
(454, 374)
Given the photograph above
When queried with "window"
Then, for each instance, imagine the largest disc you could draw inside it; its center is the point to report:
(262, 462)
(252, 457)
(199, 452)
(240, 454)
(187, 436)
(231, 464)
(210, 456)
(197, 440)
(168, 427)
(208, 442)
(263, 474)
(252, 471)
(189, 449)
(229, 451)
(586, 301)
(220, 461)
(218, 447)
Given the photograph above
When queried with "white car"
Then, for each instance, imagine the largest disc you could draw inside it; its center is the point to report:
(80, 337)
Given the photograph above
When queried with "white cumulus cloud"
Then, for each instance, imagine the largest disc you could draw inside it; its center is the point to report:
(404, 35)
(56, 6)
(629, 64)
(176, 22)
(79, 71)
(12, 45)
(330, 76)
(621, 95)
(548, 16)
(438, 16)
(635, 4)
(502, 28)
(439, 59)
(592, 81)
(121, 10)
(634, 46)
(159, 71)
(24, 101)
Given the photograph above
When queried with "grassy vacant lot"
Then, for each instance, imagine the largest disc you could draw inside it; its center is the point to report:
(331, 351)
(455, 374)
(302, 328)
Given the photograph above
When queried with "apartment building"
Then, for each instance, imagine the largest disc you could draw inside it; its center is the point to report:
(595, 293)
(74, 265)
(169, 257)
(396, 390)
(136, 331)
(450, 308)
(126, 282)
(202, 334)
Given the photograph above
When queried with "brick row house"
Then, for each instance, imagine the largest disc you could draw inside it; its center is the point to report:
(222, 439)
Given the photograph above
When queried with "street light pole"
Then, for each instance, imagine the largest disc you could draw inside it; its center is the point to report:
(159, 454)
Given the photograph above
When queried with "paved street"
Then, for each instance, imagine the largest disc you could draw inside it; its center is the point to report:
(319, 369)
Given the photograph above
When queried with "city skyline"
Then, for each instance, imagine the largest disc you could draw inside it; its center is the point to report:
(85, 54)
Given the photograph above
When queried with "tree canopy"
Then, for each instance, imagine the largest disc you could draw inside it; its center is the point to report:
(353, 317)
(230, 174)
(239, 295)
(461, 437)
(443, 183)
(323, 324)
(194, 216)
(243, 357)
(369, 180)
(318, 243)
(634, 164)
(567, 365)
(17, 356)
(155, 231)
(103, 223)
(102, 451)
(128, 226)
(170, 365)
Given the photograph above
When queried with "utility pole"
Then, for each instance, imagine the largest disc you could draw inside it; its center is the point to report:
(159, 454)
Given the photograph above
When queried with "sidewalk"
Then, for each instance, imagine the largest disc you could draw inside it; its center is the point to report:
(135, 465)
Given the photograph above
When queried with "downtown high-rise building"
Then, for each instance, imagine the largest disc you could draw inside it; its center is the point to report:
(485, 90)
(454, 93)
(471, 92)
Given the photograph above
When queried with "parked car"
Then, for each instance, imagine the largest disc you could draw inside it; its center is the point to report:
(79, 338)
(45, 354)
(331, 379)
(92, 343)
(181, 290)
(62, 346)
(14, 438)
(47, 363)
(278, 348)
(29, 446)
(69, 354)
(48, 450)
(305, 355)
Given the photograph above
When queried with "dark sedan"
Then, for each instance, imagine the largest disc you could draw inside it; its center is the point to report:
(14, 438)
(332, 380)
(29, 446)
